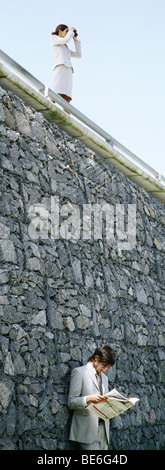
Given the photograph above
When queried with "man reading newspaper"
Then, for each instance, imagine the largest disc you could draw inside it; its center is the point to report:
(89, 400)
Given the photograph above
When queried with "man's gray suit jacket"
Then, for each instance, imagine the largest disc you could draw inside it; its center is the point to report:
(84, 425)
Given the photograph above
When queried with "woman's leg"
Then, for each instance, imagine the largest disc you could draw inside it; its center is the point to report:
(66, 98)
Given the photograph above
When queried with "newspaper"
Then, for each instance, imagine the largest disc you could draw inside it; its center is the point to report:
(113, 406)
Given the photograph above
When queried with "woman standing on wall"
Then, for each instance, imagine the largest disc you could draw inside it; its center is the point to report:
(63, 70)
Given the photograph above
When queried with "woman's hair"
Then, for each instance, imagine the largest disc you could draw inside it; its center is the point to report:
(60, 27)
(105, 354)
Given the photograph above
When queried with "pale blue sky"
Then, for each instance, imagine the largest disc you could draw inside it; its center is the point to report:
(119, 82)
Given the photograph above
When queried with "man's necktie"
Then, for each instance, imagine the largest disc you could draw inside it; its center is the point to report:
(99, 382)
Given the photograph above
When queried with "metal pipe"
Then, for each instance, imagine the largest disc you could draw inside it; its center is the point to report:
(79, 115)
(50, 94)
(23, 72)
(109, 139)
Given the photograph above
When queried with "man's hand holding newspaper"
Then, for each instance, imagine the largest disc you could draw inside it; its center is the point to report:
(114, 405)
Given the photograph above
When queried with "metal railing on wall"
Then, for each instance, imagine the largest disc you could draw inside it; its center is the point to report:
(51, 95)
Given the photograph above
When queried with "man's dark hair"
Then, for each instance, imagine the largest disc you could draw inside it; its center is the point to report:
(105, 354)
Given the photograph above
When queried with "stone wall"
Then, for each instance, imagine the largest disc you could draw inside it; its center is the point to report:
(63, 294)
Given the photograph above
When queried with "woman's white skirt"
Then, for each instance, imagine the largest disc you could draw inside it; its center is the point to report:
(62, 80)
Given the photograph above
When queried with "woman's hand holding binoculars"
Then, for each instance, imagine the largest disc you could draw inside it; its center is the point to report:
(75, 32)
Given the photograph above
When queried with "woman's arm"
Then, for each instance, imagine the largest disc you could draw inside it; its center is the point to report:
(77, 52)
(58, 41)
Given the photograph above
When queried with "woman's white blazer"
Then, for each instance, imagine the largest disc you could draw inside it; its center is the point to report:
(61, 51)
